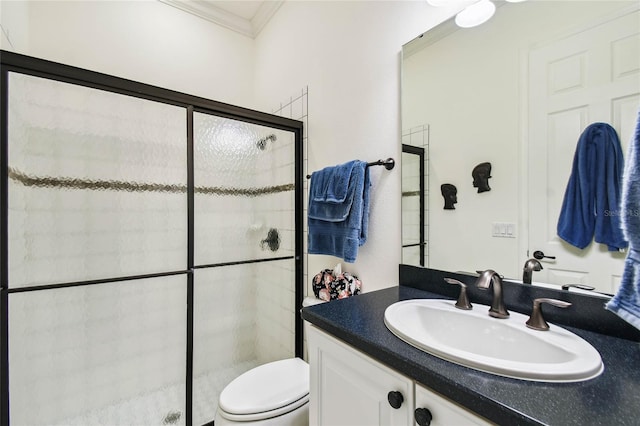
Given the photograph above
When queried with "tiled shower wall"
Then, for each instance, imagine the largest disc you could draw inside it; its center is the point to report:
(98, 191)
(297, 108)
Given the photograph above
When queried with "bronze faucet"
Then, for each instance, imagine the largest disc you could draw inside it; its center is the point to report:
(485, 279)
(530, 266)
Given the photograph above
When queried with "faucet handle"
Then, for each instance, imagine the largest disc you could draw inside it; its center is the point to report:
(536, 321)
(463, 300)
(497, 310)
(580, 286)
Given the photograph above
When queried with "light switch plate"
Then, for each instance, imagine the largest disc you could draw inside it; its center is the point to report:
(503, 229)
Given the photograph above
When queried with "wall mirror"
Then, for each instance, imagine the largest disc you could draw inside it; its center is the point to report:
(517, 91)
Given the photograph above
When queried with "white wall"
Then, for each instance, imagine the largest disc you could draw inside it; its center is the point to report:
(145, 41)
(13, 25)
(348, 53)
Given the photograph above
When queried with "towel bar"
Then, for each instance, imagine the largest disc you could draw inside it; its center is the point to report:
(388, 164)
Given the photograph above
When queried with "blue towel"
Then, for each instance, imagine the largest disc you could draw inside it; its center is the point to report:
(327, 233)
(331, 183)
(331, 192)
(591, 201)
(626, 302)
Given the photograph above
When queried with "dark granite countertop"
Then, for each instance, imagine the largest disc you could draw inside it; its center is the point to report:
(613, 398)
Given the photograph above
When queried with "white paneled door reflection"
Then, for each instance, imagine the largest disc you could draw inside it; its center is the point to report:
(587, 77)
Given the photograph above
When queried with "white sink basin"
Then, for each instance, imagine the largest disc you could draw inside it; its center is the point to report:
(506, 347)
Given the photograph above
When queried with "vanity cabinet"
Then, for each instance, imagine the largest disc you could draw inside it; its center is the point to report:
(349, 388)
(442, 410)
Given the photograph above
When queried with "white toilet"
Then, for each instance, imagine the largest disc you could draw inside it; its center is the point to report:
(272, 394)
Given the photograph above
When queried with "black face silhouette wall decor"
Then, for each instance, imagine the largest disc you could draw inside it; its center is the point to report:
(481, 174)
(450, 194)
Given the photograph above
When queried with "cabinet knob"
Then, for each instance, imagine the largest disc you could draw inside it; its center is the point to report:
(395, 399)
(423, 416)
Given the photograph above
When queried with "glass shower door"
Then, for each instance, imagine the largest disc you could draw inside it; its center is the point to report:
(97, 256)
(244, 280)
(151, 247)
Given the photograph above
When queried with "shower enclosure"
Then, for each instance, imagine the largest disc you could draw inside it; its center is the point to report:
(151, 247)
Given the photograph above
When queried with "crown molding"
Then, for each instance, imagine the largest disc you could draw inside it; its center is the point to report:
(210, 12)
(265, 13)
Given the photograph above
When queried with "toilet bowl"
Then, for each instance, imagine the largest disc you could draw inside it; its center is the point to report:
(276, 393)
(271, 394)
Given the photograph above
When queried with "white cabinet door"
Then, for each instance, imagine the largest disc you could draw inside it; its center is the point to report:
(348, 388)
(443, 412)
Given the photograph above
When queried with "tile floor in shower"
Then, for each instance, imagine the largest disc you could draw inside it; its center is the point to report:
(165, 406)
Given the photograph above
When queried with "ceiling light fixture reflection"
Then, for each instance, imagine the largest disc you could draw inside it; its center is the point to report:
(440, 3)
(437, 3)
(476, 14)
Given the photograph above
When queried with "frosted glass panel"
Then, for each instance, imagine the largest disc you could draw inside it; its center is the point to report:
(244, 178)
(110, 354)
(97, 184)
(243, 317)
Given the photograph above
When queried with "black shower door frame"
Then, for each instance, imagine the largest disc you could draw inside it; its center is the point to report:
(13, 62)
(419, 151)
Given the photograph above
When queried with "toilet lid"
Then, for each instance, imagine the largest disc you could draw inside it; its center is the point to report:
(267, 387)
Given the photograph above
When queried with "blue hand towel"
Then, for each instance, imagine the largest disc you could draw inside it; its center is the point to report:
(626, 302)
(591, 201)
(331, 183)
(331, 192)
(341, 238)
